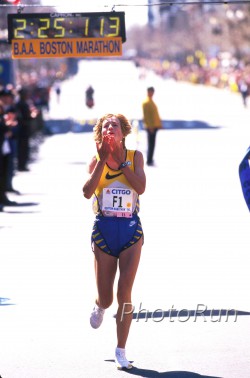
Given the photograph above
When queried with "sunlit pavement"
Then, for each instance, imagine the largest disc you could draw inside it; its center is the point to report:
(194, 260)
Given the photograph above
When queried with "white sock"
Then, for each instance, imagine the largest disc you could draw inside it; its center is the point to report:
(119, 350)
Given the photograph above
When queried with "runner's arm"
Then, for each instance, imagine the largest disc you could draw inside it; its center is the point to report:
(95, 169)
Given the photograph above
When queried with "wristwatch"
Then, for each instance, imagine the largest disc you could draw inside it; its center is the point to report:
(125, 164)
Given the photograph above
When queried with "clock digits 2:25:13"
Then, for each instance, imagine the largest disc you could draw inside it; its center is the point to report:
(82, 26)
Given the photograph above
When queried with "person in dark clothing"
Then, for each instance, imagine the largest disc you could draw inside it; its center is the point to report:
(244, 91)
(2, 132)
(7, 98)
(6, 125)
(89, 97)
(26, 112)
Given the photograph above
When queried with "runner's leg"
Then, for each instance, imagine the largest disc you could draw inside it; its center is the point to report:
(128, 264)
(105, 271)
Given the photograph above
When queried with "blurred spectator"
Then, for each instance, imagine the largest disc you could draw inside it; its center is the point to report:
(152, 123)
(6, 125)
(26, 113)
(89, 97)
(220, 71)
(40, 96)
(58, 92)
(244, 90)
(8, 100)
(2, 132)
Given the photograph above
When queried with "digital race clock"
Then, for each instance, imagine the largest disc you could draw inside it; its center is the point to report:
(60, 26)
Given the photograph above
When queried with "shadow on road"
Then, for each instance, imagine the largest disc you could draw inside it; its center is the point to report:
(168, 374)
(15, 206)
(21, 204)
(146, 373)
(5, 302)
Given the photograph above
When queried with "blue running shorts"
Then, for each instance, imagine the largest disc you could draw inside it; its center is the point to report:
(113, 234)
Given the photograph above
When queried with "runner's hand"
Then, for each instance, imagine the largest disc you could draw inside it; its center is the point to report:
(117, 151)
(103, 148)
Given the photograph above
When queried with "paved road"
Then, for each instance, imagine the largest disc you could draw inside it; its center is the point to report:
(195, 259)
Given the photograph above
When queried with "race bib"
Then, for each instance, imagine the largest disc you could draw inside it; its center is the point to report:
(117, 202)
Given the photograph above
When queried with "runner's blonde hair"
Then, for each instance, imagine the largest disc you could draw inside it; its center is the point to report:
(125, 126)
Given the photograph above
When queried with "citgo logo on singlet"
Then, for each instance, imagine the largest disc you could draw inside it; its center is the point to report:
(121, 191)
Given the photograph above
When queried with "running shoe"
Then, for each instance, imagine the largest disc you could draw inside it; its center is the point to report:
(96, 316)
(121, 360)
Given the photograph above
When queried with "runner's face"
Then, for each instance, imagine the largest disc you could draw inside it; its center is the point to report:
(112, 127)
